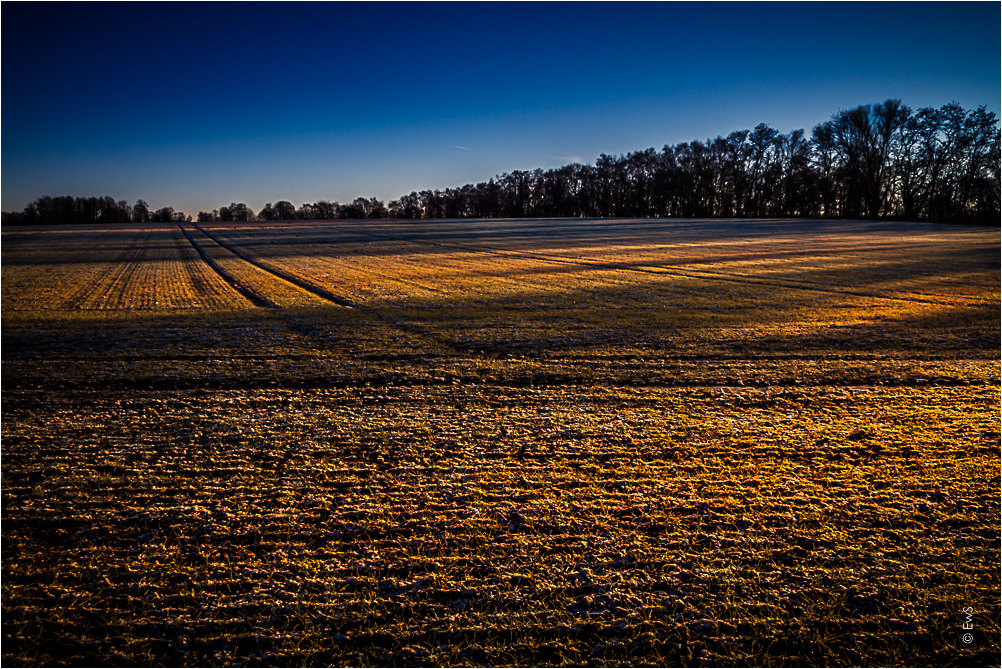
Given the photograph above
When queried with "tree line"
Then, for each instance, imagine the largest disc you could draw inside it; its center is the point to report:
(874, 161)
(67, 210)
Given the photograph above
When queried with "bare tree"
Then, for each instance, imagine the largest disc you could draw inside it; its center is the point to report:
(140, 212)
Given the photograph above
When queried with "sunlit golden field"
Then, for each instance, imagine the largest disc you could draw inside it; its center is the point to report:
(560, 442)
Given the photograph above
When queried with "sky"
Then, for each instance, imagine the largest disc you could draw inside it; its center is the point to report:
(196, 105)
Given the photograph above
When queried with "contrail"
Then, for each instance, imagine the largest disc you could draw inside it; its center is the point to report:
(461, 147)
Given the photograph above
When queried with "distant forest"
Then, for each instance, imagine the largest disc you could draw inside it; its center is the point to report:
(874, 161)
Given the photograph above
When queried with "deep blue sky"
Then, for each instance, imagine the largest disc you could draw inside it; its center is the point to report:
(196, 105)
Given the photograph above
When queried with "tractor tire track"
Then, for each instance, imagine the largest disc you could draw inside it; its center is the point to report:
(322, 293)
(255, 298)
(325, 294)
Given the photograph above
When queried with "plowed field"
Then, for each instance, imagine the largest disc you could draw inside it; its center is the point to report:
(568, 442)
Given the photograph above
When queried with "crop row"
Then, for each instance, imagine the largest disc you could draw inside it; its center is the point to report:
(150, 268)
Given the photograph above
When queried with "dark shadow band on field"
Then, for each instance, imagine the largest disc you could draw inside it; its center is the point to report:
(518, 234)
(337, 348)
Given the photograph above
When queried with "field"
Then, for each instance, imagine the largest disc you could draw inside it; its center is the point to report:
(533, 442)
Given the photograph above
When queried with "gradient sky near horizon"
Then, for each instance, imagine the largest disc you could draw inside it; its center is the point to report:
(196, 105)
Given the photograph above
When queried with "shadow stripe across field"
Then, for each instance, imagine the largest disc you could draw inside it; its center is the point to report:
(669, 270)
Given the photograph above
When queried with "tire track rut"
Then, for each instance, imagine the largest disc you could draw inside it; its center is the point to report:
(325, 294)
(252, 295)
(322, 293)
